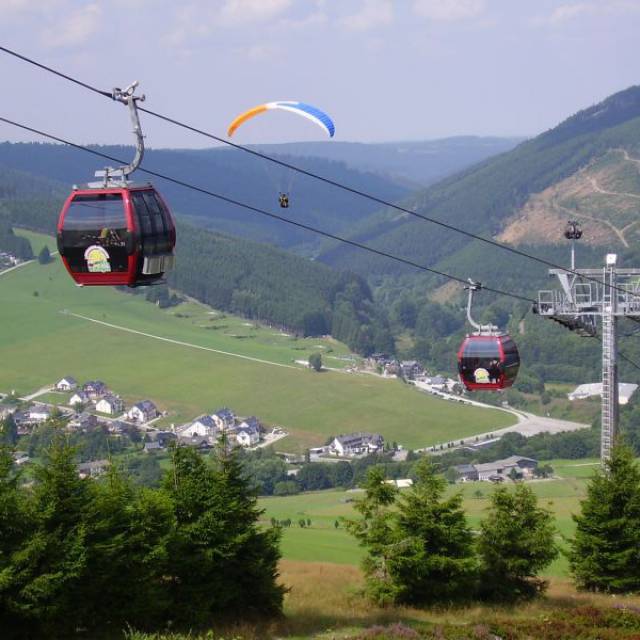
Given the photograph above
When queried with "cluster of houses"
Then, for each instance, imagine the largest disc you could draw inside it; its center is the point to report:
(96, 393)
(498, 471)
(207, 429)
(407, 369)
(26, 419)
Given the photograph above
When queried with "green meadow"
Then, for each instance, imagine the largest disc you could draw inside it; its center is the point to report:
(323, 542)
(42, 340)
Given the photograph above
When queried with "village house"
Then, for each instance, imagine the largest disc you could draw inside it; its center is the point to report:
(224, 419)
(110, 404)
(79, 397)
(39, 413)
(197, 442)
(83, 422)
(143, 411)
(356, 444)
(95, 389)
(248, 432)
(152, 447)
(411, 369)
(163, 437)
(203, 426)
(66, 384)
(117, 427)
(93, 469)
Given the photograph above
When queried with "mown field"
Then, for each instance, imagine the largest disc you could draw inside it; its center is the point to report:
(41, 342)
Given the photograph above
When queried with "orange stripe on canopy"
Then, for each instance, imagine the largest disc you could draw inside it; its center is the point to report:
(243, 117)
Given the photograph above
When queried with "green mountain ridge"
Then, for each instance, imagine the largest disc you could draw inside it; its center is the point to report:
(482, 198)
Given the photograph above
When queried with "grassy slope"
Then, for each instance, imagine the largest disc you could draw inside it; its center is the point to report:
(41, 345)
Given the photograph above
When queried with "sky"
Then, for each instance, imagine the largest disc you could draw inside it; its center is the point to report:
(384, 70)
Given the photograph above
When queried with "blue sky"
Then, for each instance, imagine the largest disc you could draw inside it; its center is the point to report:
(384, 70)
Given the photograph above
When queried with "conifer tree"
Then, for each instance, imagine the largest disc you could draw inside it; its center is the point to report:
(44, 257)
(253, 580)
(8, 431)
(434, 560)
(376, 532)
(127, 554)
(15, 524)
(605, 552)
(219, 558)
(516, 542)
(51, 568)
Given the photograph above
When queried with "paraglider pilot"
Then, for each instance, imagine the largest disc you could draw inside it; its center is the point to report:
(283, 198)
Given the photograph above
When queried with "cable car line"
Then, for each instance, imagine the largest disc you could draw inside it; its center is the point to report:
(315, 176)
(502, 364)
(263, 212)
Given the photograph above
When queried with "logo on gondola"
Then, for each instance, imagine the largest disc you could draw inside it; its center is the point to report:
(481, 375)
(97, 259)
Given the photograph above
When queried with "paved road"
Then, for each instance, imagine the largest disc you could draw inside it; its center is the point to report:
(528, 425)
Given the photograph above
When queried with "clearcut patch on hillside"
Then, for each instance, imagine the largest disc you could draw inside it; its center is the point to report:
(604, 196)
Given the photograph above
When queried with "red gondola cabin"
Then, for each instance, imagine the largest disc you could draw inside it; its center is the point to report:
(488, 362)
(116, 236)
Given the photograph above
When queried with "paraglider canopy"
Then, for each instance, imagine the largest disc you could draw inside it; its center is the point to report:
(308, 111)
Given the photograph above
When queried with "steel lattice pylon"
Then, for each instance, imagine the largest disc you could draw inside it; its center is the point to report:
(608, 294)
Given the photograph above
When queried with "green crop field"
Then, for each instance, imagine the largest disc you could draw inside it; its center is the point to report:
(176, 364)
(323, 542)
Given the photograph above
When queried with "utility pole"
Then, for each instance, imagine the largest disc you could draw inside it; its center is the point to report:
(608, 293)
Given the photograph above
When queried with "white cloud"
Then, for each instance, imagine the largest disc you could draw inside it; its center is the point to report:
(260, 52)
(244, 11)
(571, 11)
(449, 10)
(74, 29)
(199, 19)
(567, 12)
(373, 14)
(14, 8)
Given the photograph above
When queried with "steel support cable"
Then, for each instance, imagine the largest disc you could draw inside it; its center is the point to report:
(310, 174)
(629, 360)
(263, 212)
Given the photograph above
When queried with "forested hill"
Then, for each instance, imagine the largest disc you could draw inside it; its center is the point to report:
(587, 167)
(419, 163)
(232, 274)
(231, 173)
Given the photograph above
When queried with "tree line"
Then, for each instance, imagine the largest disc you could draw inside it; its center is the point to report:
(420, 548)
(84, 555)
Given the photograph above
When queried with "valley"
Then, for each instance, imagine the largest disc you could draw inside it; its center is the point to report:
(43, 342)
